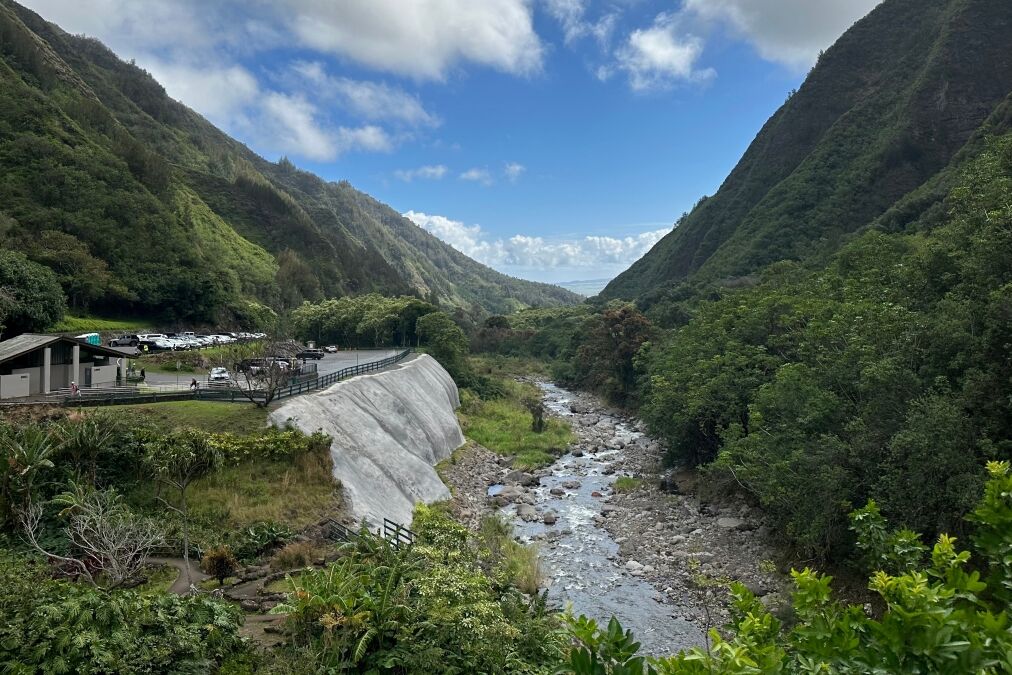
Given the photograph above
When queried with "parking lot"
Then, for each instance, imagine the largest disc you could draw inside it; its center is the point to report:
(330, 363)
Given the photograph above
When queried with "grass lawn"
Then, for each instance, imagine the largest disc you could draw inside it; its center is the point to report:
(508, 366)
(240, 418)
(504, 426)
(296, 493)
(627, 484)
(94, 324)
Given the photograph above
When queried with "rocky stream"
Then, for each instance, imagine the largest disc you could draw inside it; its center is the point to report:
(651, 554)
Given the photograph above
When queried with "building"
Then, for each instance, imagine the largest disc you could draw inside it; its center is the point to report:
(32, 365)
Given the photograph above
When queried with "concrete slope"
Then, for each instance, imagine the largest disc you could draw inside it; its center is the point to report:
(389, 429)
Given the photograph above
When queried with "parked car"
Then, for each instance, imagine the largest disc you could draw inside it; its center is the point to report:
(310, 354)
(330, 349)
(125, 341)
(219, 374)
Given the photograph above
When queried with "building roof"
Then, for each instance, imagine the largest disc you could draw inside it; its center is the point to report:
(29, 342)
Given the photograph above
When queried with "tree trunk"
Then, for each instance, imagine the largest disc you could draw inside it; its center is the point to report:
(186, 537)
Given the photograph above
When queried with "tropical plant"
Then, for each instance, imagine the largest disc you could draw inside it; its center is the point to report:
(177, 460)
(108, 541)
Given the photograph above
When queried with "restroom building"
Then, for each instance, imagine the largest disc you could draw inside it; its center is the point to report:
(32, 365)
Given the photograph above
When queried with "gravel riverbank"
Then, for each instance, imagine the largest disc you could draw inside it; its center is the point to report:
(657, 558)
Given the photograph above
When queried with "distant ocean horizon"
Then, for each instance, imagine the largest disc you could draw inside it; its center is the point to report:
(587, 288)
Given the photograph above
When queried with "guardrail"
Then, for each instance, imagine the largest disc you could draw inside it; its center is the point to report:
(170, 392)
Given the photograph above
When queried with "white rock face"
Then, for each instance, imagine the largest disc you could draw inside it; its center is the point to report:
(389, 429)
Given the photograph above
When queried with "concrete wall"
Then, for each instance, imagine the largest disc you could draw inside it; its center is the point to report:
(34, 379)
(102, 375)
(14, 385)
(389, 429)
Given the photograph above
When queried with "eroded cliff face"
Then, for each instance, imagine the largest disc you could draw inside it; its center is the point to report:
(389, 429)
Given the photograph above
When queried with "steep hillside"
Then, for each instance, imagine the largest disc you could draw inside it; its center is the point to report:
(108, 180)
(878, 119)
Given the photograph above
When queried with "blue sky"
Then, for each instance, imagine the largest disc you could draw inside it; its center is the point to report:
(552, 139)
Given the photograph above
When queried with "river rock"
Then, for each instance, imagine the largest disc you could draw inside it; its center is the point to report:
(514, 477)
(729, 523)
(549, 518)
(529, 480)
(527, 512)
(571, 484)
(557, 492)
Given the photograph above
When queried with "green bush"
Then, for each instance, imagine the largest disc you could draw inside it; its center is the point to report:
(437, 606)
(945, 617)
(62, 627)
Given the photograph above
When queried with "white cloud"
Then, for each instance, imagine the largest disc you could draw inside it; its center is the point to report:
(219, 93)
(658, 56)
(786, 31)
(428, 172)
(370, 100)
(513, 171)
(571, 17)
(587, 255)
(478, 175)
(422, 38)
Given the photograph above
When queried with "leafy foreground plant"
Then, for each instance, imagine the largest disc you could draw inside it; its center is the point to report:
(439, 606)
(61, 627)
(942, 618)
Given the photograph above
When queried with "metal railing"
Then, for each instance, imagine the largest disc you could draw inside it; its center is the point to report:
(149, 393)
(397, 534)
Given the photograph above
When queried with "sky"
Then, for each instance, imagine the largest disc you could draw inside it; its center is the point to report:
(553, 140)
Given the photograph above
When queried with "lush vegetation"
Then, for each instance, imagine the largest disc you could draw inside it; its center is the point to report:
(56, 626)
(365, 321)
(93, 152)
(882, 374)
(943, 612)
(30, 297)
(504, 425)
(855, 144)
(447, 604)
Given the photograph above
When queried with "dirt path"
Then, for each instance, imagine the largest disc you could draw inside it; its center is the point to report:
(180, 586)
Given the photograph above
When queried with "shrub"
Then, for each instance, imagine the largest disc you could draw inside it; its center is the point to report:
(295, 555)
(938, 618)
(220, 563)
(62, 627)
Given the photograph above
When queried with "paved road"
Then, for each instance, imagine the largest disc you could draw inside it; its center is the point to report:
(328, 364)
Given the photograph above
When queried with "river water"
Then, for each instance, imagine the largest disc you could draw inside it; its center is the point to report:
(580, 559)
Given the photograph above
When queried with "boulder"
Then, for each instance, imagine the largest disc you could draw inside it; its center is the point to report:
(729, 523)
(571, 484)
(557, 492)
(549, 518)
(527, 513)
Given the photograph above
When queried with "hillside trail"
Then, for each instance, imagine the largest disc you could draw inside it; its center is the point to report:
(180, 586)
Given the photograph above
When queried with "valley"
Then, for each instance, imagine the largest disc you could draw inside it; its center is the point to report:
(283, 389)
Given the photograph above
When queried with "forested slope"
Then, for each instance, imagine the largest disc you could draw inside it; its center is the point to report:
(883, 113)
(140, 205)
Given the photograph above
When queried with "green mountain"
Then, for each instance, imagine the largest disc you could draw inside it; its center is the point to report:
(141, 206)
(871, 138)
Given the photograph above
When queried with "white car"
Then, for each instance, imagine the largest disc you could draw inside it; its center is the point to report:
(219, 374)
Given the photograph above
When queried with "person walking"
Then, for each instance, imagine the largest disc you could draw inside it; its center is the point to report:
(193, 384)
(74, 389)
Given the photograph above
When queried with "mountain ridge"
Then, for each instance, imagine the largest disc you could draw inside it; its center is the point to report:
(180, 219)
(881, 113)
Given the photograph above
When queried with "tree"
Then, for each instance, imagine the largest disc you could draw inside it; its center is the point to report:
(445, 340)
(178, 459)
(220, 563)
(84, 440)
(259, 369)
(23, 455)
(32, 299)
(112, 542)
